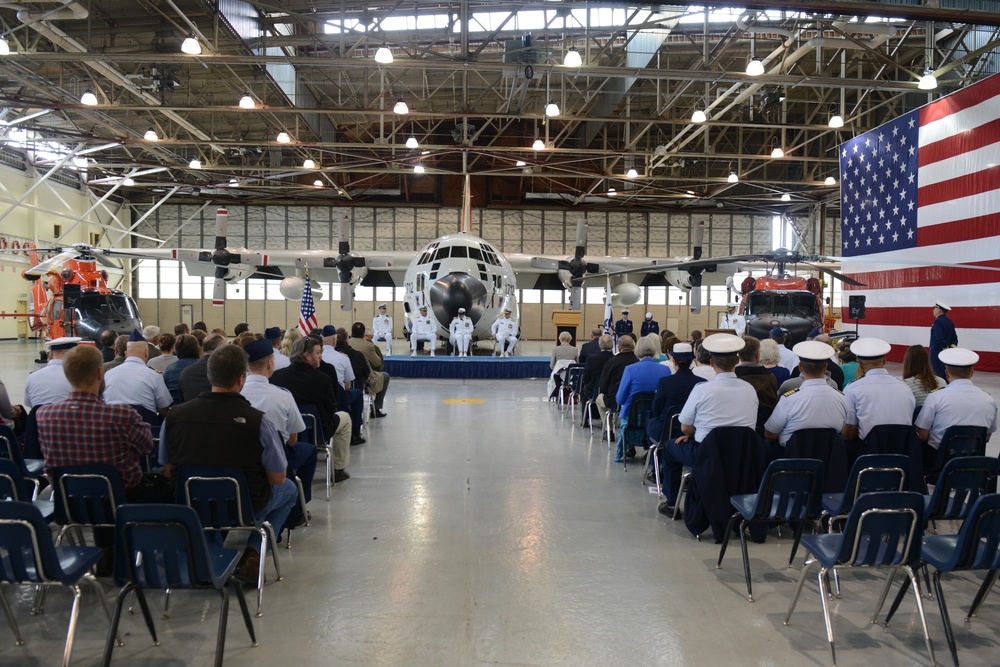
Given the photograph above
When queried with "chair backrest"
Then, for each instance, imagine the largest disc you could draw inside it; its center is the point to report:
(962, 481)
(639, 410)
(899, 439)
(219, 496)
(314, 425)
(10, 447)
(873, 473)
(960, 441)
(13, 485)
(27, 541)
(574, 377)
(672, 424)
(149, 416)
(87, 494)
(792, 489)
(29, 440)
(884, 529)
(978, 544)
(825, 444)
(161, 546)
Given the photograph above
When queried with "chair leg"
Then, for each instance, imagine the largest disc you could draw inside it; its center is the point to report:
(899, 598)
(685, 478)
(826, 618)
(984, 590)
(74, 616)
(116, 615)
(166, 604)
(329, 470)
(244, 610)
(798, 589)
(656, 470)
(274, 550)
(795, 543)
(141, 597)
(645, 467)
(260, 571)
(746, 558)
(104, 603)
(302, 498)
(220, 642)
(882, 595)
(725, 538)
(923, 617)
(10, 620)
(949, 633)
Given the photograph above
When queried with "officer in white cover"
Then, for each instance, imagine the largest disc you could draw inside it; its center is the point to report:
(423, 329)
(49, 384)
(505, 333)
(733, 320)
(814, 404)
(382, 328)
(461, 333)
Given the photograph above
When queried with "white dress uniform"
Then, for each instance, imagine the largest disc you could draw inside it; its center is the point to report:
(813, 405)
(461, 334)
(725, 401)
(47, 385)
(340, 362)
(382, 328)
(876, 399)
(961, 403)
(275, 402)
(505, 331)
(788, 358)
(134, 383)
(423, 329)
(736, 322)
(281, 360)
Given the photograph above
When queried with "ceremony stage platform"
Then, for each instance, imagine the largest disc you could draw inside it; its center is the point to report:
(485, 367)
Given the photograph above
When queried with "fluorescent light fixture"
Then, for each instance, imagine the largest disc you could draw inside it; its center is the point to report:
(425, 152)
(18, 134)
(928, 81)
(830, 180)
(191, 46)
(247, 102)
(776, 152)
(4, 47)
(733, 178)
(401, 107)
(80, 162)
(194, 164)
(836, 120)
(755, 68)
(151, 135)
(283, 138)
(233, 182)
(539, 145)
(551, 109)
(308, 164)
(318, 183)
(612, 192)
(632, 173)
(786, 197)
(572, 58)
(412, 142)
(698, 116)
(520, 163)
(418, 169)
(127, 181)
(88, 98)
(383, 56)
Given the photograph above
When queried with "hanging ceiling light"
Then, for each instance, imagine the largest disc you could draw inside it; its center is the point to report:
(151, 135)
(246, 102)
(631, 173)
(412, 142)
(233, 182)
(383, 56)
(786, 197)
(520, 163)
(418, 169)
(776, 152)
(572, 58)
(318, 183)
(755, 67)
(401, 107)
(733, 178)
(551, 109)
(612, 192)
(830, 180)
(4, 47)
(191, 46)
(308, 164)
(283, 138)
(928, 81)
(425, 152)
(836, 120)
(194, 164)
(127, 181)
(698, 116)
(539, 145)
(80, 162)
(88, 98)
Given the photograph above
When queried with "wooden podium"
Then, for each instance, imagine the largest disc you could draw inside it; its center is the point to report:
(566, 320)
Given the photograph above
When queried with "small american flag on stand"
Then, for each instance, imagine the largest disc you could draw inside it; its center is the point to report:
(307, 315)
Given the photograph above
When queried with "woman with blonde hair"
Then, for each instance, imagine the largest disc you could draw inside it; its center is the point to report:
(292, 335)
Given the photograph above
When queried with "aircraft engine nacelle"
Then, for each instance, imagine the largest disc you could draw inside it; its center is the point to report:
(625, 294)
(679, 279)
(292, 287)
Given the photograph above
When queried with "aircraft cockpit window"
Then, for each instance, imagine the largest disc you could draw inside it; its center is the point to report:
(426, 257)
(459, 251)
(476, 254)
(442, 253)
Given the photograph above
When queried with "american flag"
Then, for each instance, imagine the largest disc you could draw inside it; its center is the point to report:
(920, 209)
(307, 316)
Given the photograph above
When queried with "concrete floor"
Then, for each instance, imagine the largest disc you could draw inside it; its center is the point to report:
(482, 527)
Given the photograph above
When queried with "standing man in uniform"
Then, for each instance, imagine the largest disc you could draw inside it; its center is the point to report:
(733, 320)
(423, 329)
(461, 333)
(814, 404)
(624, 325)
(382, 329)
(505, 333)
(649, 326)
(877, 398)
(943, 336)
(49, 384)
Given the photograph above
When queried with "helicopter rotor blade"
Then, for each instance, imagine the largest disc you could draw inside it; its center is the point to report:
(53, 263)
(836, 274)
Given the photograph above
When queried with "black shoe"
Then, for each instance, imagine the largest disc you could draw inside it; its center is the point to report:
(105, 566)
(378, 414)
(302, 520)
(357, 441)
(341, 475)
(666, 509)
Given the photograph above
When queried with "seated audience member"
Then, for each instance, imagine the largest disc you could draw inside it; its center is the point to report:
(135, 383)
(562, 356)
(188, 351)
(832, 367)
(288, 340)
(336, 358)
(611, 375)
(119, 358)
(310, 386)
(220, 428)
(107, 344)
(245, 337)
(696, 337)
(918, 374)
(788, 358)
(199, 335)
(379, 383)
(814, 404)
(595, 364)
(351, 402)
(666, 344)
(242, 327)
(848, 364)
(279, 406)
(877, 398)
(49, 384)
(181, 328)
(274, 335)
(13, 414)
(770, 358)
(702, 366)
(961, 403)
(642, 376)
(200, 326)
(672, 391)
(194, 379)
(762, 380)
(591, 347)
(151, 334)
(725, 401)
(167, 356)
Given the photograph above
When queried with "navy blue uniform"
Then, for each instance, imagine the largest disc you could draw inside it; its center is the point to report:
(650, 326)
(623, 327)
(671, 391)
(943, 336)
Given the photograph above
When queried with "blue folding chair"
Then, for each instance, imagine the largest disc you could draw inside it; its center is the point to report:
(791, 492)
(957, 441)
(86, 497)
(314, 434)
(221, 499)
(163, 547)
(870, 473)
(10, 447)
(670, 426)
(882, 532)
(30, 557)
(634, 434)
(14, 486)
(961, 483)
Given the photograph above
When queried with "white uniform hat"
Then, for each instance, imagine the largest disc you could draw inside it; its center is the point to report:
(624, 311)
(722, 345)
(732, 304)
(870, 348)
(958, 356)
(381, 306)
(423, 307)
(64, 343)
(682, 352)
(813, 350)
(461, 311)
(942, 305)
(649, 316)
(507, 310)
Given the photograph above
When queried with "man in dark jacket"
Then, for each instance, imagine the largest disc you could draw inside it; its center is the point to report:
(763, 380)
(591, 347)
(672, 391)
(194, 379)
(611, 375)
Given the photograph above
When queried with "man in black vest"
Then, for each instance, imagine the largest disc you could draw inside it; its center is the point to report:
(221, 428)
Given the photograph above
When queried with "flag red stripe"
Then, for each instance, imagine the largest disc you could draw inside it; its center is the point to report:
(968, 229)
(989, 362)
(975, 183)
(984, 317)
(963, 99)
(925, 276)
(963, 142)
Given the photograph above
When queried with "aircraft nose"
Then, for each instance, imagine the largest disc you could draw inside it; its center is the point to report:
(454, 291)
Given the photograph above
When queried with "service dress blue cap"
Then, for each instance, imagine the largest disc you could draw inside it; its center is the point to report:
(272, 333)
(870, 348)
(64, 343)
(958, 356)
(329, 330)
(813, 350)
(258, 349)
(942, 305)
(136, 337)
(777, 332)
(812, 334)
(723, 345)
(682, 352)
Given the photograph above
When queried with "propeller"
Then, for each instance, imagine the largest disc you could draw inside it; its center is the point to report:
(345, 263)
(226, 261)
(577, 267)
